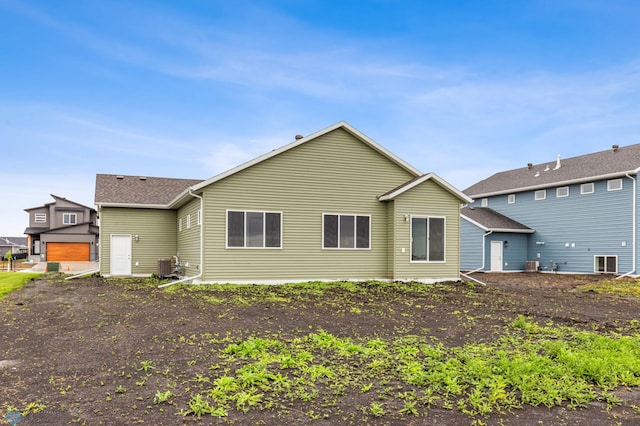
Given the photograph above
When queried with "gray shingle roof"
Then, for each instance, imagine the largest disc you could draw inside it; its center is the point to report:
(491, 220)
(140, 190)
(583, 168)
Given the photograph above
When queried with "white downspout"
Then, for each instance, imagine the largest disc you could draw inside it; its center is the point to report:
(633, 228)
(201, 244)
(484, 236)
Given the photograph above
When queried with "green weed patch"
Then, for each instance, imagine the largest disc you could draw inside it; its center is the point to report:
(615, 287)
(531, 364)
(11, 281)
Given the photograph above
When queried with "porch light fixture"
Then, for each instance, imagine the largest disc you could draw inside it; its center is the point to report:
(137, 237)
(407, 217)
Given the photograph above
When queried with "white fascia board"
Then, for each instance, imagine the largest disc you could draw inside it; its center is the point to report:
(473, 222)
(506, 230)
(555, 184)
(135, 206)
(341, 124)
(429, 176)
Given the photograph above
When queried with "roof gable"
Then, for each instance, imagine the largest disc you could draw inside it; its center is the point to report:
(420, 179)
(614, 162)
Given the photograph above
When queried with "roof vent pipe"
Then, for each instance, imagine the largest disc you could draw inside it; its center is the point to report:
(615, 148)
(529, 166)
(557, 163)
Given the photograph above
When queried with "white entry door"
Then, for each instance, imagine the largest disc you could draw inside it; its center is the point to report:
(496, 256)
(120, 254)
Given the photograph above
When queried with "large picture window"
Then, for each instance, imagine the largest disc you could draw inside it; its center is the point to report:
(346, 231)
(252, 229)
(427, 239)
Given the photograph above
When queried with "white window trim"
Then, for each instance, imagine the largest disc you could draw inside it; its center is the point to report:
(189, 221)
(543, 192)
(583, 187)
(595, 263)
(483, 202)
(264, 223)
(511, 199)
(355, 231)
(611, 182)
(40, 218)
(69, 215)
(180, 225)
(444, 239)
(558, 195)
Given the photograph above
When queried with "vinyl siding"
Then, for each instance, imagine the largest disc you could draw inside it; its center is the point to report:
(470, 246)
(189, 239)
(514, 254)
(592, 224)
(427, 199)
(334, 173)
(157, 236)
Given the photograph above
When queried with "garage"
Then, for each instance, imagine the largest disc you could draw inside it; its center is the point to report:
(67, 252)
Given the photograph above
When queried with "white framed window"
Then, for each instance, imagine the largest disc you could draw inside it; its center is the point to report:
(586, 188)
(346, 231)
(189, 221)
(254, 229)
(427, 239)
(540, 194)
(40, 218)
(199, 217)
(180, 225)
(484, 202)
(614, 185)
(511, 198)
(562, 192)
(605, 264)
(69, 218)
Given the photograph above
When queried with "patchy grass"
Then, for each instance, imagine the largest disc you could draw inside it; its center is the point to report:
(11, 281)
(410, 375)
(617, 287)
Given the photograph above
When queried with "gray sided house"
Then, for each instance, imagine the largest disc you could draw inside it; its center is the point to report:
(334, 205)
(15, 245)
(574, 215)
(62, 231)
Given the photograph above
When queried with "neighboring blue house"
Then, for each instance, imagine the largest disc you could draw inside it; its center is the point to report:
(577, 215)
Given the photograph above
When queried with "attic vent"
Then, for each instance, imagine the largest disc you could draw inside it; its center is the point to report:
(529, 166)
(615, 148)
(143, 178)
(119, 177)
(298, 137)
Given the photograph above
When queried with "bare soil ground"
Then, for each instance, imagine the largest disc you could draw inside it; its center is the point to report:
(78, 347)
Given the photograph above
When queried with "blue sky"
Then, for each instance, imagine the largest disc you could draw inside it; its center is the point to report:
(192, 88)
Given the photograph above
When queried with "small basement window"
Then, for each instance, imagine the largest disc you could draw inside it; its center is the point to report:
(606, 264)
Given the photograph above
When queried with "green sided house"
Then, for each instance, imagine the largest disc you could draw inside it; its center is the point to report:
(334, 205)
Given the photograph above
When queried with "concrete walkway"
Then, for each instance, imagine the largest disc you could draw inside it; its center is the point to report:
(65, 267)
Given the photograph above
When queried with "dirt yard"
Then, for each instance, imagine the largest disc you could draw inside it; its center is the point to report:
(92, 351)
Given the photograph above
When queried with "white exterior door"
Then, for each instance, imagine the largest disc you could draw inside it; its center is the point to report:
(496, 256)
(120, 255)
